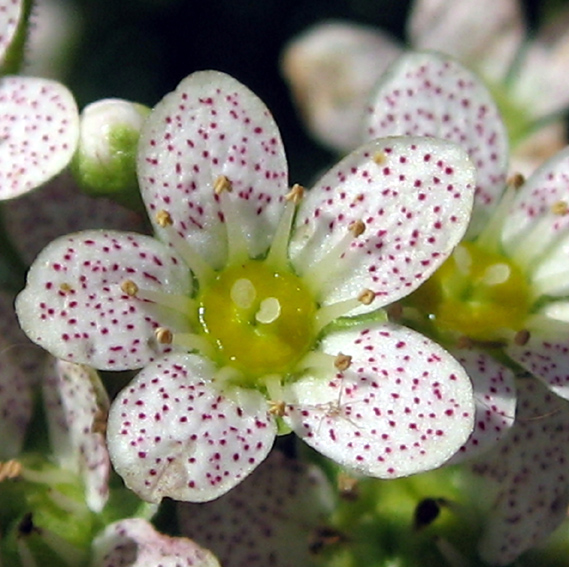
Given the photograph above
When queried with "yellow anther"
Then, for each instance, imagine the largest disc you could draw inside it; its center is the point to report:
(65, 287)
(366, 296)
(222, 184)
(516, 180)
(522, 337)
(278, 409)
(357, 228)
(342, 362)
(10, 469)
(163, 336)
(163, 218)
(295, 194)
(560, 208)
(347, 486)
(380, 158)
(99, 424)
(129, 287)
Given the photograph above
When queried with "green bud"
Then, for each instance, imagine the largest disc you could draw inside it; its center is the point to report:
(105, 161)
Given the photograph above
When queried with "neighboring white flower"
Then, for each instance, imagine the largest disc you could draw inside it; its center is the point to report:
(237, 318)
(39, 121)
(333, 66)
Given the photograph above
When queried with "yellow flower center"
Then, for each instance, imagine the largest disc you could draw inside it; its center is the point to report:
(260, 320)
(476, 293)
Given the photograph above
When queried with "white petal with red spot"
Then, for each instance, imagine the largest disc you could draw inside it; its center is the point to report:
(135, 543)
(76, 406)
(495, 400)
(402, 407)
(74, 307)
(529, 470)
(538, 217)
(35, 219)
(210, 126)
(20, 369)
(427, 94)
(414, 196)
(10, 12)
(39, 128)
(283, 501)
(173, 433)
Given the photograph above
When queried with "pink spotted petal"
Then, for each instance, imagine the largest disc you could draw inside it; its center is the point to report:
(404, 405)
(76, 406)
(39, 128)
(414, 196)
(211, 126)
(428, 94)
(73, 305)
(495, 400)
(20, 369)
(172, 432)
(534, 223)
(10, 12)
(529, 470)
(546, 353)
(37, 218)
(135, 543)
(283, 501)
(485, 34)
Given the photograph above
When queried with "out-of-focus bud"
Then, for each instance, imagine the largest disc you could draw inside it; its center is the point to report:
(105, 161)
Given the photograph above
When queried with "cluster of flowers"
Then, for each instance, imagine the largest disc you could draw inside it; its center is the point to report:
(409, 311)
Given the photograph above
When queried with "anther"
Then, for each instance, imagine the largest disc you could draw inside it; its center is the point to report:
(379, 158)
(164, 219)
(129, 287)
(366, 296)
(65, 287)
(222, 184)
(560, 208)
(394, 311)
(163, 336)
(516, 180)
(464, 342)
(347, 486)
(10, 469)
(295, 194)
(342, 362)
(278, 409)
(357, 228)
(522, 337)
(99, 424)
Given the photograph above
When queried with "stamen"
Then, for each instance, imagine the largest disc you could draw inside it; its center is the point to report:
(278, 409)
(200, 268)
(490, 237)
(394, 311)
(496, 274)
(516, 180)
(318, 274)
(462, 259)
(347, 486)
(65, 287)
(560, 208)
(181, 303)
(237, 248)
(317, 361)
(380, 158)
(278, 252)
(163, 336)
(10, 469)
(342, 362)
(329, 313)
(522, 337)
(193, 342)
(243, 293)
(269, 310)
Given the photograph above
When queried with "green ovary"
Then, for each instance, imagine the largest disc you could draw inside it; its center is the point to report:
(261, 321)
(475, 293)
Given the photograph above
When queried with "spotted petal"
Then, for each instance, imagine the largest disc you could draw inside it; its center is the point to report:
(213, 126)
(10, 13)
(428, 94)
(414, 196)
(39, 128)
(20, 369)
(495, 399)
(74, 307)
(35, 219)
(403, 406)
(135, 543)
(538, 218)
(529, 468)
(283, 501)
(173, 432)
(76, 405)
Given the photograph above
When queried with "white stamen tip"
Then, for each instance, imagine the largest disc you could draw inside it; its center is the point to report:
(463, 259)
(295, 194)
(496, 274)
(243, 293)
(269, 310)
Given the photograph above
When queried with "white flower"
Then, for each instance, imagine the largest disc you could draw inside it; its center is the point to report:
(234, 314)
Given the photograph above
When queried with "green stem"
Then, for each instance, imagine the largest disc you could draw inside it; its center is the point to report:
(15, 55)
